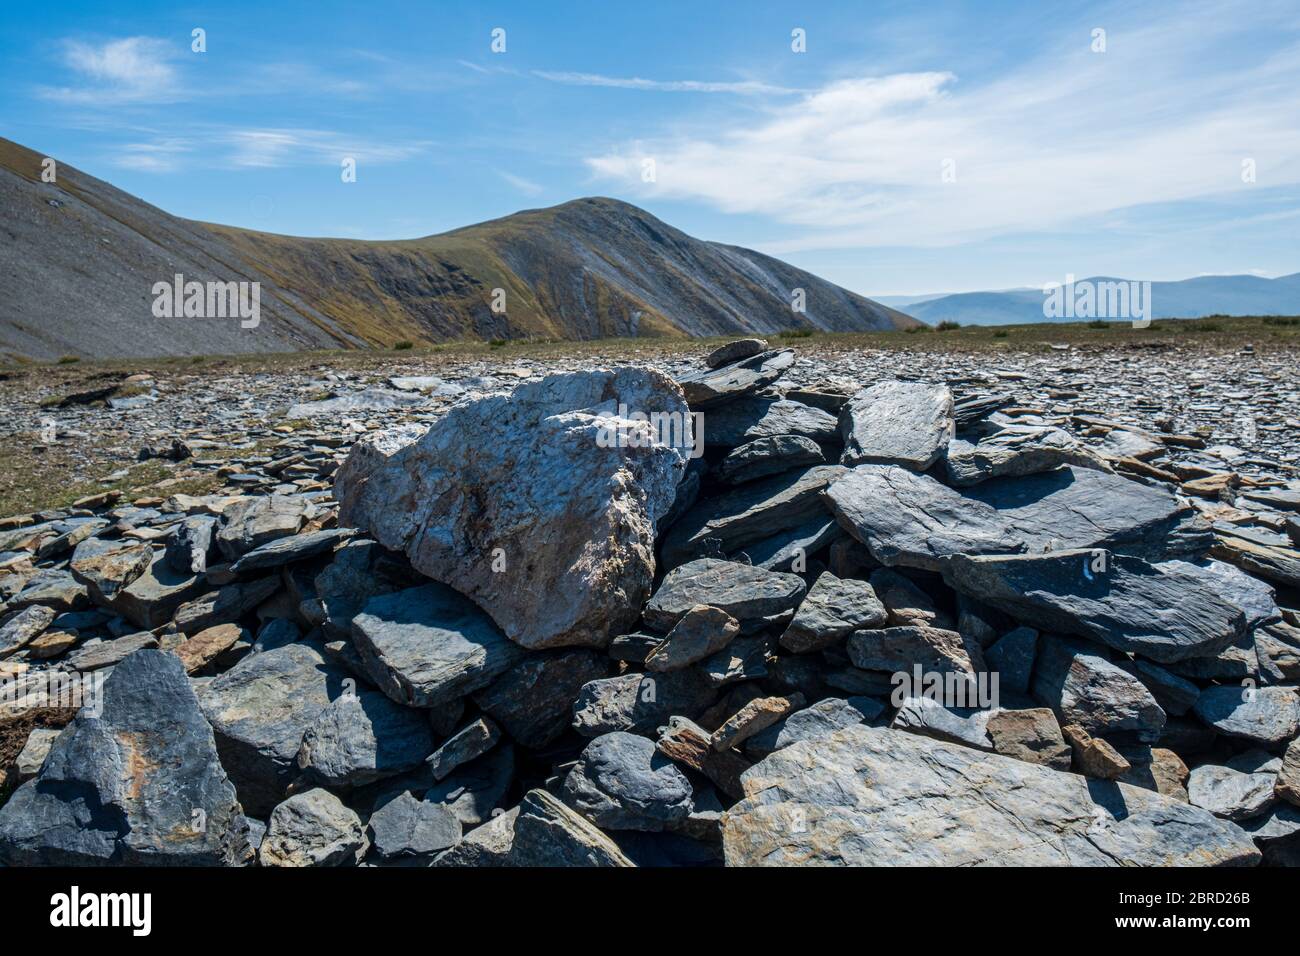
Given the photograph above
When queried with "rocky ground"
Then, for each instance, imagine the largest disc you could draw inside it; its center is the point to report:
(908, 607)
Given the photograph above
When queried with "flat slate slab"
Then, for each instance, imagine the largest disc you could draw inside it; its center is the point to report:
(1161, 611)
(709, 387)
(874, 797)
(897, 423)
(750, 595)
(429, 646)
(750, 513)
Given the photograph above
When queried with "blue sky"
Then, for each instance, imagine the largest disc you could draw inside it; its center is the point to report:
(1061, 158)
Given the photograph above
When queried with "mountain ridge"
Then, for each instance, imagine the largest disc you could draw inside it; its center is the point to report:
(81, 257)
(1192, 298)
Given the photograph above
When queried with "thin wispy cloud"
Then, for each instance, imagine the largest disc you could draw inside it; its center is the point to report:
(740, 87)
(303, 147)
(525, 186)
(135, 69)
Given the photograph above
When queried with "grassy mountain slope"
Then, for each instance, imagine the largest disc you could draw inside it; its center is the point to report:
(79, 259)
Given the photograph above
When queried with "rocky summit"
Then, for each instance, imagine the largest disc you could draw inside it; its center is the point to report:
(750, 605)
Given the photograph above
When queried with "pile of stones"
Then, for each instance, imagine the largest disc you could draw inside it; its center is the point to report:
(746, 614)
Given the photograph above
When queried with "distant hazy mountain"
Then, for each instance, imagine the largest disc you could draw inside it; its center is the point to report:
(79, 259)
(1185, 299)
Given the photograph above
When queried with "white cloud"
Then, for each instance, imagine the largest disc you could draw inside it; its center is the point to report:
(303, 147)
(1065, 137)
(525, 186)
(132, 69)
(160, 156)
(741, 87)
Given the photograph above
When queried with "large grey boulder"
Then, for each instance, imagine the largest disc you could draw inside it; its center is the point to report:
(897, 423)
(1161, 611)
(541, 505)
(874, 797)
(621, 782)
(137, 784)
(260, 710)
(429, 646)
(371, 451)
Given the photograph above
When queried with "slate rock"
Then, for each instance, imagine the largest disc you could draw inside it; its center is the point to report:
(750, 595)
(121, 787)
(473, 740)
(895, 649)
(1012, 658)
(1157, 610)
(313, 829)
(750, 420)
(251, 522)
(428, 646)
(734, 352)
(1288, 777)
(532, 701)
(1032, 735)
(748, 514)
(548, 833)
(475, 789)
(621, 782)
(1230, 793)
(488, 844)
(699, 633)
(106, 567)
(1084, 688)
(153, 598)
(192, 544)
(92, 657)
(225, 605)
(362, 737)
(282, 551)
(560, 488)
(639, 703)
(865, 796)
(1268, 716)
(406, 829)
(832, 610)
(260, 709)
(712, 387)
(24, 627)
(897, 423)
(906, 603)
(768, 456)
(1012, 451)
(816, 720)
(912, 520)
